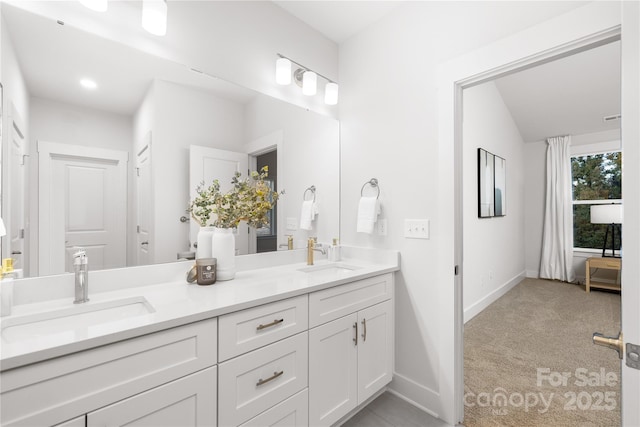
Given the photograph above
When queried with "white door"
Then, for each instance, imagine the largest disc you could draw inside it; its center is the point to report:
(207, 164)
(144, 204)
(631, 227)
(82, 203)
(14, 197)
(375, 349)
(188, 401)
(333, 370)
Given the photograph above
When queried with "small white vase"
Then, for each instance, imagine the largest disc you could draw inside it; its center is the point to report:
(224, 250)
(205, 236)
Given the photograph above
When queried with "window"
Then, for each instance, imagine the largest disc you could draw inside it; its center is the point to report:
(597, 179)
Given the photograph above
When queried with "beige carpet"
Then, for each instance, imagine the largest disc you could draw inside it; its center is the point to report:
(529, 360)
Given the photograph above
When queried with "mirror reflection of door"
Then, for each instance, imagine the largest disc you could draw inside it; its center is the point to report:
(83, 204)
(144, 204)
(267, 236)
(14, 197)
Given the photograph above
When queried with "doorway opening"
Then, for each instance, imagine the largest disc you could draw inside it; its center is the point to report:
(267, 236)
(522, 336)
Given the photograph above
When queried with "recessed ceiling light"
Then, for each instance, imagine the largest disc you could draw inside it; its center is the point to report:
(88, 84)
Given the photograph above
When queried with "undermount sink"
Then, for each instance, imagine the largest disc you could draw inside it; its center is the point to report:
(338, 269)
(73, 318)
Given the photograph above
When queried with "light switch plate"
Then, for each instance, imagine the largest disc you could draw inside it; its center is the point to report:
(382, 227)
(292, 224)
(416, 228)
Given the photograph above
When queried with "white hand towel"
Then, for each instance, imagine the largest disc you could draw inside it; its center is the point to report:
(308, 214)
(368, 211)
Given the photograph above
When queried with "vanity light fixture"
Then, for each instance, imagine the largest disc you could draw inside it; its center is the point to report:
(97, 5)
(283, 71)
(309, 83)
(88, 84)
(306, 78)
(154, 16)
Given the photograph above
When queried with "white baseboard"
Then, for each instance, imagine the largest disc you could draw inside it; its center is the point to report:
(475, 309)
(532, 274)
(418, 395)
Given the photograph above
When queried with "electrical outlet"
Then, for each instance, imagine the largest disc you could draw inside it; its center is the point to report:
(416, 228)
(292, 224)
(382, 227)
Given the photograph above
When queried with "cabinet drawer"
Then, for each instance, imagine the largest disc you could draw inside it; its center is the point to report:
(339, 301)
(59, 389)
(256, 327)
(256, 381)
(293, 412)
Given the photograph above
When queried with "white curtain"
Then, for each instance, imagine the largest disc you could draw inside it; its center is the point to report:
(557, 238)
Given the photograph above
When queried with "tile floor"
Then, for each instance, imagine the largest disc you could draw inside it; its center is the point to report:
(389, 410)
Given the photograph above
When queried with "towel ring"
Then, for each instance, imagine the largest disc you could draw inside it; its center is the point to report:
(372, 182)
(313, 191)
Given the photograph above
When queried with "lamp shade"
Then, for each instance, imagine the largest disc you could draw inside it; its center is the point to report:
(309, 83)
(283, 71)
(331, 93)
(154, 16)
(3, 231)
(606, 214)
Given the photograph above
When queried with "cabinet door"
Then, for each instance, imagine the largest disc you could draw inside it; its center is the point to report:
(188, 401)
(333, 372)
(375, 349)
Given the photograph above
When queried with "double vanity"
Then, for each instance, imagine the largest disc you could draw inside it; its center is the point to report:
(282, 344)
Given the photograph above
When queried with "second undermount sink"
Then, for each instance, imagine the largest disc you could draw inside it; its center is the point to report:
(333, 269)
(73, 318)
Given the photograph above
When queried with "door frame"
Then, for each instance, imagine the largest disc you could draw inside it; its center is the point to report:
(585, 28)
(262, 145)
(46, 152)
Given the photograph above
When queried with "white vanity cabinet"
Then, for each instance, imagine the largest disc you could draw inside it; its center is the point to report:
(351, 353)
(61, 389)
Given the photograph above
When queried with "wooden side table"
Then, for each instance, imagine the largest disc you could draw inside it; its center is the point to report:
(604, 263)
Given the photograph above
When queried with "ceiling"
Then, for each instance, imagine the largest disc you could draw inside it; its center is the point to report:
(339, 20)
(569, 96)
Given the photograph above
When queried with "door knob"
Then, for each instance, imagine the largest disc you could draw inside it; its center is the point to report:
(615, 343)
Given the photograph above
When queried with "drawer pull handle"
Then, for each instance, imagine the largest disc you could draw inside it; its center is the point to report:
(273, 377)
(364, 332)
(268, 325)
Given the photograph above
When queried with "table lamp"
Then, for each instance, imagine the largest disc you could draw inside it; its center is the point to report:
(612, 216)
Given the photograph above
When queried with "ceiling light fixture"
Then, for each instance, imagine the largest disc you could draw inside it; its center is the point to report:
(154, 16)
(306, 78)
(97, 5)
(88, 84)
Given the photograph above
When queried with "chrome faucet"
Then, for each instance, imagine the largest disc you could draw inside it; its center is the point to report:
(311, 246)
(81, 268)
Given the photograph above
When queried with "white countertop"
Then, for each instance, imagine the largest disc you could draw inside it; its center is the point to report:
(177, 303)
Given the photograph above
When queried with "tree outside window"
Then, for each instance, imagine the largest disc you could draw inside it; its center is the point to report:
(597, 179)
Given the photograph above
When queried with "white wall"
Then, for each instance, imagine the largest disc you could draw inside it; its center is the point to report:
(494, 248)
(389, 129)
(310, 156)
(184, 116)
(54, 121)
(535, 172)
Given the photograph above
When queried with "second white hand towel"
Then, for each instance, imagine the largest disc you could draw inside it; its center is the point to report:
(308, 213)
(368, 210)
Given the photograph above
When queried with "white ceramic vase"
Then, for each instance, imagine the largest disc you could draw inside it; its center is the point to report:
(205, 237)
(224, 250)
